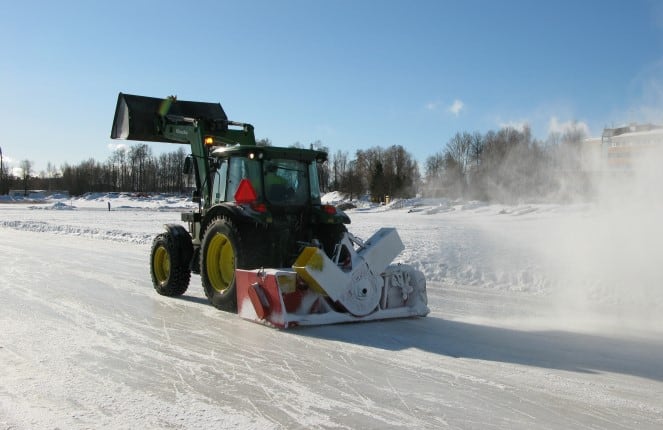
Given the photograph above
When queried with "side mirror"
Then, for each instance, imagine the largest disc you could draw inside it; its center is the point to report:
(188, 166)
(195, 198)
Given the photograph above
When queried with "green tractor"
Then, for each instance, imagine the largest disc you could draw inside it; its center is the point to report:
(258, 206)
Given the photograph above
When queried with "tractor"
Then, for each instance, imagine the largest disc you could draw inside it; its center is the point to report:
(261, 239)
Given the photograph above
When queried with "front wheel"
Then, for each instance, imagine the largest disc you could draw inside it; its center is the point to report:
(169, 265)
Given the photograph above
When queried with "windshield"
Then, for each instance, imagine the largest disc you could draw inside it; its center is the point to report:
(286, 182)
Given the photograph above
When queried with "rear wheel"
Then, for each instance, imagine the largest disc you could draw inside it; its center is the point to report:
(220, 255)
(169, 264)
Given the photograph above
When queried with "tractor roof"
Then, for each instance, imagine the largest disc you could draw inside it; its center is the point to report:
(270, 152)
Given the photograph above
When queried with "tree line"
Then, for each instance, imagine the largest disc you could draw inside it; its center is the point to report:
(376, 172)
(506, 165)
(134, 169)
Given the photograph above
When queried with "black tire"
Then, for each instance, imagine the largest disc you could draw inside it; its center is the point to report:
(169, 264)
(329, 235)
(221, 252)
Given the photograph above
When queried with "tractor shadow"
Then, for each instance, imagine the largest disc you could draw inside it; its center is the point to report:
(193, 299)
(561, 350)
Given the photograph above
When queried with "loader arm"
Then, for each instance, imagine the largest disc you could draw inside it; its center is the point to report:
(179, 129)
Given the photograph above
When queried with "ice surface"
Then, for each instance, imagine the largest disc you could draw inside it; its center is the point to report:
(542, 316)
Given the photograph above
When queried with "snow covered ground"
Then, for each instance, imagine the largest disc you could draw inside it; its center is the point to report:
(542, 316)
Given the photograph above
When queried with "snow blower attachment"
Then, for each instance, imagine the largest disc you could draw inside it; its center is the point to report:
(261, 239)
(356, 284)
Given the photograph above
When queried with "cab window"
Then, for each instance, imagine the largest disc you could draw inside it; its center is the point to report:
(219, 184)
(286, 181)
(243, 168)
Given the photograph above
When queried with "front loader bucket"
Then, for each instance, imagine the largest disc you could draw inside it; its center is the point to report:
(137, 117)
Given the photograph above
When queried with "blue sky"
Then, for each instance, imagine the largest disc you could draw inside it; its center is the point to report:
(352, 74)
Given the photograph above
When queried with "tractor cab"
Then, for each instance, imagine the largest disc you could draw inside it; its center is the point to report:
(274, 182)
(268, 179)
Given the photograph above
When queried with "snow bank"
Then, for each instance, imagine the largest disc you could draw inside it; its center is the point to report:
(55, 206)
(135, 201)
(72, 230)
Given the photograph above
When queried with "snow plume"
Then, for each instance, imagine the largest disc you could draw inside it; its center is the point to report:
(514, 167)
(607, 262)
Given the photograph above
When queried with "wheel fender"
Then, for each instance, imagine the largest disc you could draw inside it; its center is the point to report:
(232, 212)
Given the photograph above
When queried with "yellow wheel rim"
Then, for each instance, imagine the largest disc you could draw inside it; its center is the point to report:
(161, 265)
(220, 261)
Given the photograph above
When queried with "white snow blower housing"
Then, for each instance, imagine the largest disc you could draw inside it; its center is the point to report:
(357, 284)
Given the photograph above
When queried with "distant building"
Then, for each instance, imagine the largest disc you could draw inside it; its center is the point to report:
(618, 148)
(623, 145)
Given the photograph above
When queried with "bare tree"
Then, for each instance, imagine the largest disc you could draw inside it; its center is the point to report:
(459, 149)
(434, 169)
(339, 167)
(26, 172)
(351, 181)
(139, 157)
(476, 148)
